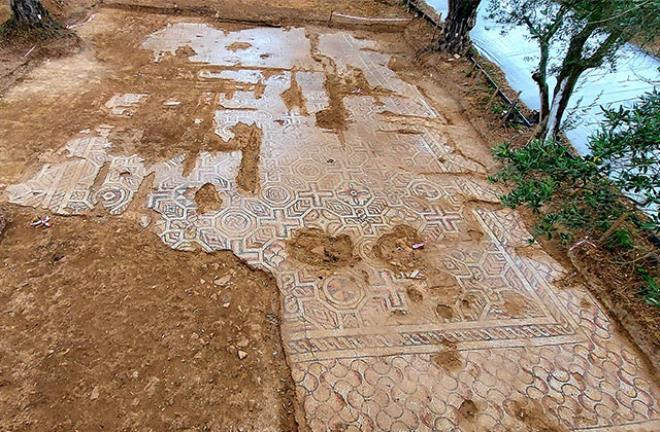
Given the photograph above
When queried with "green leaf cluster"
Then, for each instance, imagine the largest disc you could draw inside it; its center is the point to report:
(580, 197)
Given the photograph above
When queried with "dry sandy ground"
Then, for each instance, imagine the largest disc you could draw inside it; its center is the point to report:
(104, 328)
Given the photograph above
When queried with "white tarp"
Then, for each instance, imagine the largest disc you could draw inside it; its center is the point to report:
(636, 72)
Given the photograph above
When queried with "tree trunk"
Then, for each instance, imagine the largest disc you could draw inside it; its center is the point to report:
(541, 79)
(31, 13)
(460, 20)
(561, 96)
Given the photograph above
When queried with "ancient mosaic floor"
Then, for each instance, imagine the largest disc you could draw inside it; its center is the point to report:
(500, 348)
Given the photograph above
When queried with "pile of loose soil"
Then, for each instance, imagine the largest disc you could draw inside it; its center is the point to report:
(533, 417)
(448, 357)
(207, 199)
(396, 249)
(248, 141)
(105, 328)
(315, 247)
(293, 97)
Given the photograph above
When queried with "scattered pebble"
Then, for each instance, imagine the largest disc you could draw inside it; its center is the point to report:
(42, 221)
(242, 354)
(222, 281)
(144, 221)
(95, 393)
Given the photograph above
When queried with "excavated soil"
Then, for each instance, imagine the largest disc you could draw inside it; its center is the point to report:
(315, 247)
(248, 140)
(333, 117)
(396, 249)
(533, 417)
(466, 415)
(104, 328)
(449, 358)
(276, 12)
(293, 97)
(207, 199)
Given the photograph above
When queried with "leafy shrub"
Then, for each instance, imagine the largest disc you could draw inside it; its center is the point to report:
(580, 197)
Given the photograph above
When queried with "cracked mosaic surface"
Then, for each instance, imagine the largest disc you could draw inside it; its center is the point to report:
(363, 351)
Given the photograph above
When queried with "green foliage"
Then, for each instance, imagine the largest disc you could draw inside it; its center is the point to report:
(652, 291)
(498, 108)
(580, 196)
(566, 191)
(627, 149)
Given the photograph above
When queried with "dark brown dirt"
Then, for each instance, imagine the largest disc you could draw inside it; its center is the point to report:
(248, 140)
(533, 417)
(105, 328)
(293, 97)
(449, 358)
(237, 46)
(466, 415)
(395, 249)
(334, 117)
(315, 247)
(207, 199)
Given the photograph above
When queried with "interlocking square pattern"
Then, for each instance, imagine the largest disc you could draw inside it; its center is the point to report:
(365, 354)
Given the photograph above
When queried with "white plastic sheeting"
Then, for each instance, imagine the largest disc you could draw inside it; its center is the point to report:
(517, 56)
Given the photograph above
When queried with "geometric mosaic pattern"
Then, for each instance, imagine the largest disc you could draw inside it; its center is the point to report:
(365, 354)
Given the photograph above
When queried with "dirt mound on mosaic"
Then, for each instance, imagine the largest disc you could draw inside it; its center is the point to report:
(107, 328)
(533, 417)
(315, 247)
(293, 98)
(396, 249)
(448, 358)
(207, 199)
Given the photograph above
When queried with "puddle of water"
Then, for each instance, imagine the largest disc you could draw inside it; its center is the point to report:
(268, 47)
